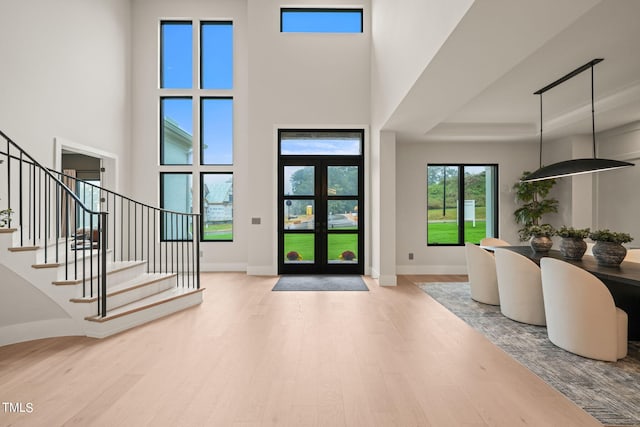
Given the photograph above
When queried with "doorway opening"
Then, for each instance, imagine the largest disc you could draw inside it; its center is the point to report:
(320, 202)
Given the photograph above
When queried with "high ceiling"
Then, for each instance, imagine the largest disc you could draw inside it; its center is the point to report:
(480, 85)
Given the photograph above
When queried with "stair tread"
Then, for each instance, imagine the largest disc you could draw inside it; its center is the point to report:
(112, 267)
(142, 280)
(144, 303)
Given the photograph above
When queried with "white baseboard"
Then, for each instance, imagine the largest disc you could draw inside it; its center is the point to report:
(387, 280)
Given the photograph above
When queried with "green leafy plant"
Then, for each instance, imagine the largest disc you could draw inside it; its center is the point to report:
(606, 235)
(574, 233)
(534, 203)
(544, 230)
(5, 216)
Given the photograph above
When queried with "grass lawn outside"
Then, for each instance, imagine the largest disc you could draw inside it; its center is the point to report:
(447, 232)
(304, 245)
(452, 214)
(214, 232)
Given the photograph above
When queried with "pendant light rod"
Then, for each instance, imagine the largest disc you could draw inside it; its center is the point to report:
(593, 117)
(570, 75)
(540, 131)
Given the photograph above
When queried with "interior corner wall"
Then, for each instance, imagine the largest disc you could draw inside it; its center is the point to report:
(296, 80)
(616, 201)
(65, 73)
(411, 194)
(404, 40)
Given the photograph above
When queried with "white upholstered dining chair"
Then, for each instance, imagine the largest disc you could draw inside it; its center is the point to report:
(581, 315)
(520, 288)
(481, 268)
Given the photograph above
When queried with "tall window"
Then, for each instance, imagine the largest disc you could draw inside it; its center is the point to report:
(462, 203)
(196, 123)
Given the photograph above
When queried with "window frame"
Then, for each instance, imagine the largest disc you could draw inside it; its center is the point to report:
(204, 98)
(162, 219)
(202, 212)
(162, 135)
(461, 188)
(203, 23)
(161, 75)
(284, 10)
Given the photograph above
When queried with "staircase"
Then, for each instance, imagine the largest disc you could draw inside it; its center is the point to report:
(66, 269)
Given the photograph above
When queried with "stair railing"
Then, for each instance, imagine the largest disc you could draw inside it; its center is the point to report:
(83, 234)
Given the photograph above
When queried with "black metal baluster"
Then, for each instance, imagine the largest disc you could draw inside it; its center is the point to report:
(58, 189)
(65, 197)
(103, 262)
(197, 272)
(8, 183)
(21, 207)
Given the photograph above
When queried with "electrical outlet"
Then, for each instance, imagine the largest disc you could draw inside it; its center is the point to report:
(201, 254)
(410, 255)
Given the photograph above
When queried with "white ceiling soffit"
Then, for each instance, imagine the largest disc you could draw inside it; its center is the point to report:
(480, 84)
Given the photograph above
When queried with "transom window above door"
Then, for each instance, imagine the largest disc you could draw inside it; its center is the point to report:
(320, 143)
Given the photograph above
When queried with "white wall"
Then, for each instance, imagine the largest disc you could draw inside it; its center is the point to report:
(411, 196)
(65, 73)
(617, 201)
(405, 37)
(296, 80)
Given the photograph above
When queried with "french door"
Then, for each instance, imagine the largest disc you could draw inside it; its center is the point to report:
(320, 215)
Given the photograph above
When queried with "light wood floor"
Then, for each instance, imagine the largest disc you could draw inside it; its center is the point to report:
(251, 357)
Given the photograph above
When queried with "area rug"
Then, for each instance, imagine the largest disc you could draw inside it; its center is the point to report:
(610, 392)
(320, 282)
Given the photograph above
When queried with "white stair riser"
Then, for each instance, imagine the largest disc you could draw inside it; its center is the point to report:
(105, 329)
(136, 294)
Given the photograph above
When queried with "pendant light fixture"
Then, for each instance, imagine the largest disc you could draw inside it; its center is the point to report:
(574, 166)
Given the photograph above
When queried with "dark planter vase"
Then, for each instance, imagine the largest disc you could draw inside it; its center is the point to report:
(572, 247)
(541, 243)
(609, 254)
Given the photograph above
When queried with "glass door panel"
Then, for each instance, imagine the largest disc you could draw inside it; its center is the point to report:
(299, 214)
(342, 180)
(342, 214)
(299, 180)
(342, 248)
(299, 248)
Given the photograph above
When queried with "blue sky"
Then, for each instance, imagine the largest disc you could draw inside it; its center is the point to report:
(216, 73)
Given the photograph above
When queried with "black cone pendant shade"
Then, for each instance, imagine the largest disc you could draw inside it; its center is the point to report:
(574, 166)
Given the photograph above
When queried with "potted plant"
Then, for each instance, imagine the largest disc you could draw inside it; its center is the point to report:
(540, 236)
(573, 245)
(347, 256)
(5, 217)
(534, 204)
(608, 250)
(293, 256)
